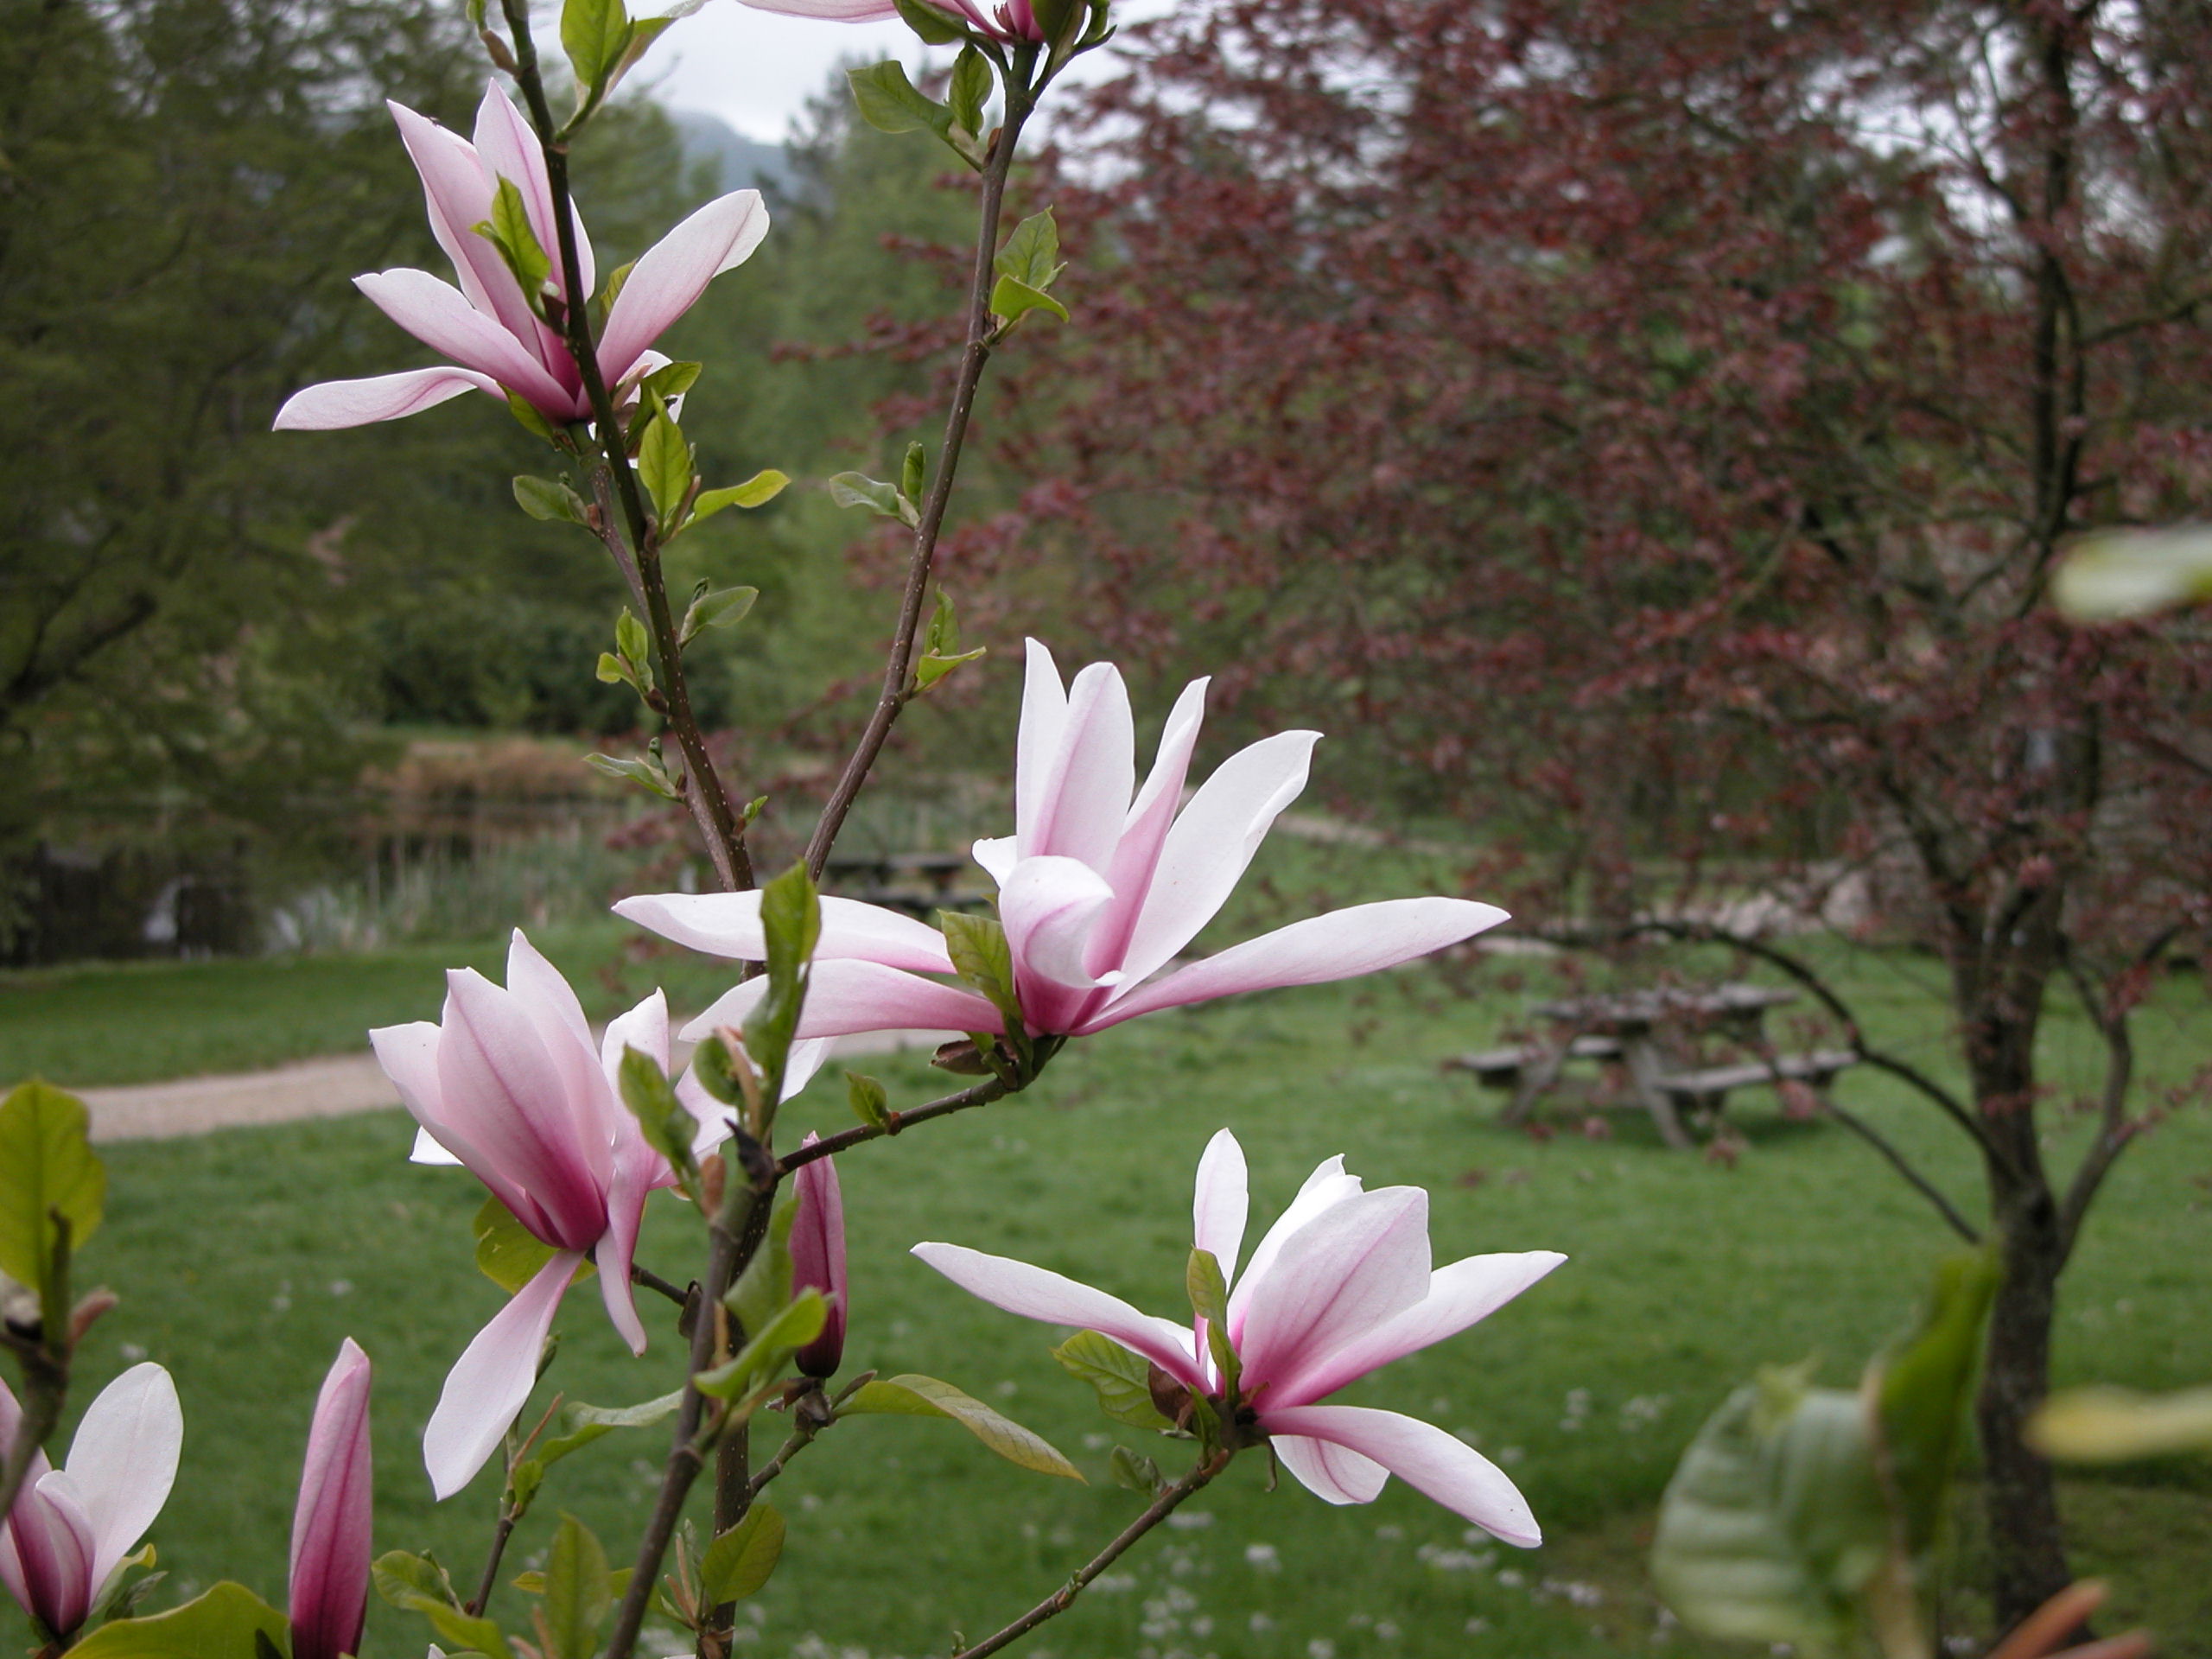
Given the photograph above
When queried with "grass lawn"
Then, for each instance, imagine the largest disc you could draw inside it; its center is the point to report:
(244, 1256)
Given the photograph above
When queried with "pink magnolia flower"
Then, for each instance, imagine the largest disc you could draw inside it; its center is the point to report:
(330, 1525)
(1011, 21)
(1340, 1286)
(63, 1543)
(511, 1085)
(818, 1257)
(498, 344)
(1097, 892)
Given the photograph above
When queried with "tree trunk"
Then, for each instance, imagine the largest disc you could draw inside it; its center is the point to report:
(2027, 1545)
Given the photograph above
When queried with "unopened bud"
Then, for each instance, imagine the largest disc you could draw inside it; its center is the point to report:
(87, 1311)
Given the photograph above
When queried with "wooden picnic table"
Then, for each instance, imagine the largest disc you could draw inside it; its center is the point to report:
(1639, 1031)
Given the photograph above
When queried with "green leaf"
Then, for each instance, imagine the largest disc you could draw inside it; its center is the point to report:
(757, 491)
(980, 955)
(548, 498)
(888, 102)
(932, 25)
(416, 1583)
(2107, 1424)
(1032, 254)
(724, 607)
(762, 1359)
(671, 380)
(662, 1119)
(1011, 299)
(576, 1595)
(870, 1103)
(1122, 1380)
(47, 1168)
(613, 671)
(648, 774)
(913, 472)
(594, 34)
(971, 88)
(577, 1425)
(643, 34)
(790, 918)
(716, 1069)
(1923, 1388)
(931, 669)
(508, 1253)
(859, 490)
(943, 636)
(1774, 1525)
(1209, 1291)
(228, 1622)
(764, 1289)
(664, 465)
(739, 1563)
(924, 1397)
(510, 230)
(1135, 1473)
(402, 1579)
(532, 419)
(631, 637)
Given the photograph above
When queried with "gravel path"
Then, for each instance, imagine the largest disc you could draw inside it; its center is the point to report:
(334, 1087)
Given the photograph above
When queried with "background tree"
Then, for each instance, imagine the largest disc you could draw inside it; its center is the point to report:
(1658, 423)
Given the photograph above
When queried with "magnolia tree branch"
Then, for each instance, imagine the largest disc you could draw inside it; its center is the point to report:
(2115, 1130)
(46, 1385)
(719, 824)
(897, 668)
(981, 1094)
(1063, 1599)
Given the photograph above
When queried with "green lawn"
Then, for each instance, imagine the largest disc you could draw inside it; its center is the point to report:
(244, 1256)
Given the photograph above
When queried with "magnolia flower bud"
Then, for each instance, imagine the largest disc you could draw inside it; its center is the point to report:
(330, 1527)
(818, 1258)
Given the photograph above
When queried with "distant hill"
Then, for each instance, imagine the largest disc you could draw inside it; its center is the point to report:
(744, 163)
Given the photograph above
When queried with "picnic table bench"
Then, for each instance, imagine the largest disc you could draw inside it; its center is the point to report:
(921, 884)
(1638, 1032)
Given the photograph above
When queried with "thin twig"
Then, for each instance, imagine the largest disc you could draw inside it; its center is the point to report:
(646, 1279)
(46, 1385)
(709, 802)
(1920, 1182)
(490, 1580)
(897, 668)
(981, 1094)
(1063, 1599)
(801, 1438)
(751, 1185)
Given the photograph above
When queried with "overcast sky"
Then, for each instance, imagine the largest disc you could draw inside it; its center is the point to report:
(756, 69)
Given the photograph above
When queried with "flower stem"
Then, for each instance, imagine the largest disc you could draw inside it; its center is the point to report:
(719, 826)
(897, 668)
(1063, 1599)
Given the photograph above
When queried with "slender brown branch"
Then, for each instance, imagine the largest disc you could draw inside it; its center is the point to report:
(2115, 1132)
(490, 1579)
(1063, 1599)
(646, 1279)
(46, 1385)
(1920, 1182)
(719, 826)
(981, 1094)
(801, 1438)
(898, 669)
